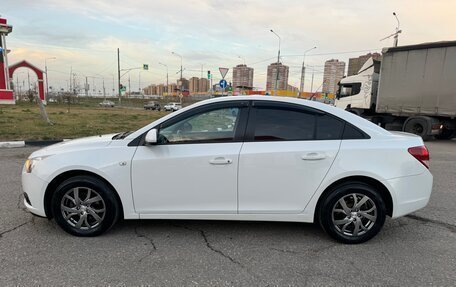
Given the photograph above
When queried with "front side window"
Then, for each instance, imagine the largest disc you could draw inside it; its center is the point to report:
(218, 125)
(347, 90)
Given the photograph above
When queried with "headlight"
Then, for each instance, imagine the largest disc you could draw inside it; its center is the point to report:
(31, 163)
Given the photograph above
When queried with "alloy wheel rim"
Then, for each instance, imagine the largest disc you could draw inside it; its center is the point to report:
(354, 214)
(83, 208)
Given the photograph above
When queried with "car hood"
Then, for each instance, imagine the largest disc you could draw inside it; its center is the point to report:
(76, 144)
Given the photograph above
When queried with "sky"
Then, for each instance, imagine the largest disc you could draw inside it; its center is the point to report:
(83, 36)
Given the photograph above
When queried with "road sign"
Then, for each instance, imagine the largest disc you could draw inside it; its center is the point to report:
(145, 67)
(223, 72)
(222, 84)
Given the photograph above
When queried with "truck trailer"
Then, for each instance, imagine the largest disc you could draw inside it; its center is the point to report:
(412, 89)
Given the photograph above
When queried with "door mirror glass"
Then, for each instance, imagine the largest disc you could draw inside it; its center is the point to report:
(151, 136)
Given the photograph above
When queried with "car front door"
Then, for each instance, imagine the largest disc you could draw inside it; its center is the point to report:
(193, 167)
(285, 157)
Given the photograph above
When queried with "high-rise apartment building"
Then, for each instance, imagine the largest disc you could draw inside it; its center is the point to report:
(172, 89)
(333, 73)
(193, 85)
(282, 81)
(203, 85)
(242, 77)
(354, 64)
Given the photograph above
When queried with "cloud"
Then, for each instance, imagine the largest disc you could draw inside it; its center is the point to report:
(86, 33)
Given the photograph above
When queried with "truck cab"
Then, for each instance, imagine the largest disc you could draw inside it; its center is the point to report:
(358, 93)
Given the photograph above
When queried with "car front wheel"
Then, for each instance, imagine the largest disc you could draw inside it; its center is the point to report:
(353, 213)
(85, 206)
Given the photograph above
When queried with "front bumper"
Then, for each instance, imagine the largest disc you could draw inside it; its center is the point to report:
(35, 188)
(410, 193)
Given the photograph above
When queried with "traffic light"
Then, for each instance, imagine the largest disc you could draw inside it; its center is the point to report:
(208, 75)
(145, 67)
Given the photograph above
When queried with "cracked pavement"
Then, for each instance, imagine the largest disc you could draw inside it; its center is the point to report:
(416, 250)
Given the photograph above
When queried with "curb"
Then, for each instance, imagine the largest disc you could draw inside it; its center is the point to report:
(12, 144)
(16, 144)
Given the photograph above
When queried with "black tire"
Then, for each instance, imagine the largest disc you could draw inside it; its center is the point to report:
(419, 126)
(446, 134)
(97, 187)
(330, 213)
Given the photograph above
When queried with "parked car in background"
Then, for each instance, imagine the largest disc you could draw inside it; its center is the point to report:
(172, 107)
(107, 103)
(152, 105)
(238, 158)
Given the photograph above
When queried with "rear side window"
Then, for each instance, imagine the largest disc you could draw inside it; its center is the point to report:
(289, 123)
(329, 128)
(353, 133)
(276, 124)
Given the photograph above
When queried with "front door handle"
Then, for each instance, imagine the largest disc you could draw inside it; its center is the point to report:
(313, 156)
(220, 161)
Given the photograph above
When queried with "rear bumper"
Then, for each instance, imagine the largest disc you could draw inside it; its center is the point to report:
(410, 193)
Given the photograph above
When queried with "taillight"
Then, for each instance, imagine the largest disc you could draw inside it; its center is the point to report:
(421, 153)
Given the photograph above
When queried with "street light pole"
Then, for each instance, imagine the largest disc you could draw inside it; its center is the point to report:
(46, 72)
(181, 81)
(278, 62)
(303, 72)
(166, 77)
(396, 36)
(242, 58)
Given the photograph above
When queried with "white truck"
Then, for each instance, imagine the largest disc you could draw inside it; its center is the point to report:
(413, 89)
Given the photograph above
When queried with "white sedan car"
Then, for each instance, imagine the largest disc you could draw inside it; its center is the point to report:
(235, 158)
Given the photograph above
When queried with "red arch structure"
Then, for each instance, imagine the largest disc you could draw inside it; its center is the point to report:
(39, 73)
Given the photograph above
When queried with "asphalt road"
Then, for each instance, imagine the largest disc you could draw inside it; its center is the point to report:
(416, 250)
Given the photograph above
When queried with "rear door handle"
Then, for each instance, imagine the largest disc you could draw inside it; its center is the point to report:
(220, 161)
(313, 156)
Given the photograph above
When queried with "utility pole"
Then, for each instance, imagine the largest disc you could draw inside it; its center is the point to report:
(104, 91)
(312, 83)
(278, 64)
(118, 75)
(396, 36)
(47, 79)
(129, 86)
(166, 77)
(28, 78)
(181, 81)
(71, 75)
(303, 72)
(86, 88)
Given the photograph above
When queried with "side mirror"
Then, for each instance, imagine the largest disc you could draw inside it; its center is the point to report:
(151, 136)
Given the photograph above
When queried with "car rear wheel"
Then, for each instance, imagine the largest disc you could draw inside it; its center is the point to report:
(85, 206)
(353, 213)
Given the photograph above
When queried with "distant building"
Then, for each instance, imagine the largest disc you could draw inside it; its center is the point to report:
(150, 90)
(193, 85)
(292, 88)
(354, 64)
(160, 89)
(242, 77)
(333, 73)
(172, 88)
(203, 85)
(282, 82)
(185, 84)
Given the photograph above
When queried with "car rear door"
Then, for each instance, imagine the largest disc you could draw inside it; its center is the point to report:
(285, 157)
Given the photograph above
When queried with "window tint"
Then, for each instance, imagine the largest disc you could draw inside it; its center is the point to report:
(275, 124)
(351, 133)
(211, 126)
(329, 128)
